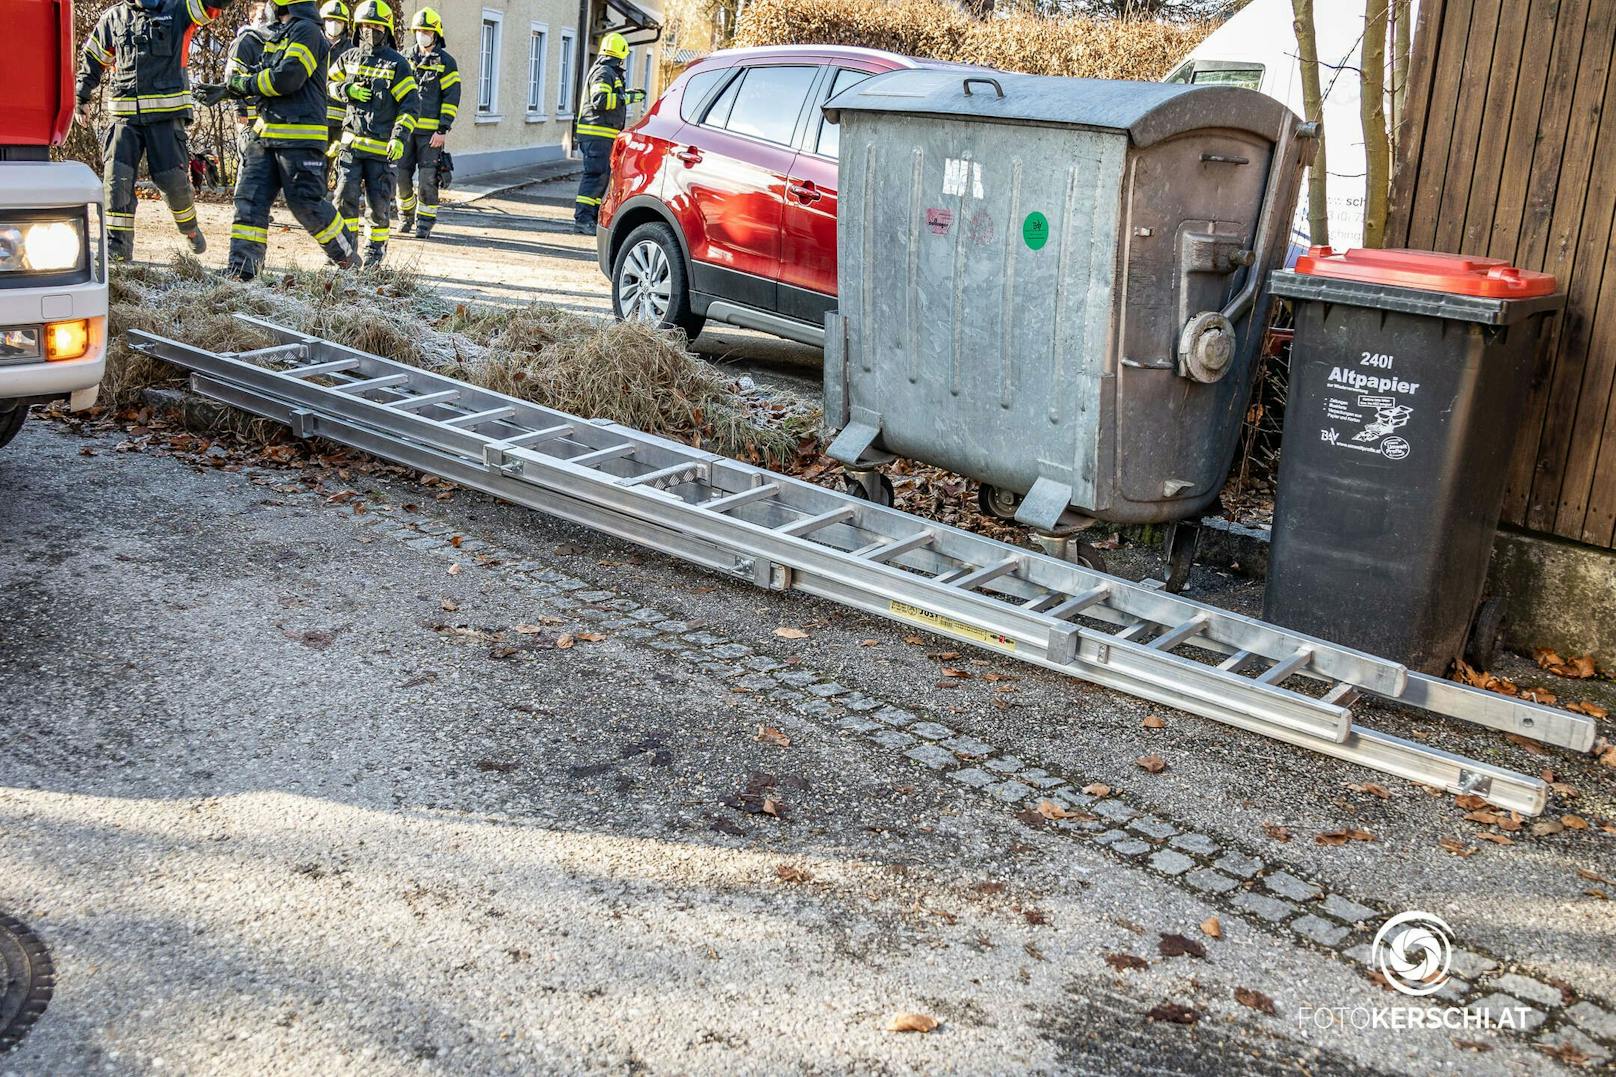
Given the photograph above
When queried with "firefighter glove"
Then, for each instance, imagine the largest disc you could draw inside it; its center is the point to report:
(209, 93)
(358, 91)
(395, 149)
(240, 85)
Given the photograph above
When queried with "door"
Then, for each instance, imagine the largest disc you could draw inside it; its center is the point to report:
(729, 180)
(808, 235)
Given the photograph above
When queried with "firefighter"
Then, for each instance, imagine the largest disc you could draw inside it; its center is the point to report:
(245, 54)
(145, 45)
(378, 85)
(336, 18)
(290, 85)
(438, 77)
(598, 124)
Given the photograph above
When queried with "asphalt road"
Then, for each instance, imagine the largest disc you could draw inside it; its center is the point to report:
(279, 800)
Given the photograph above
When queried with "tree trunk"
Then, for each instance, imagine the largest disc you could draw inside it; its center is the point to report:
(1402, 38)
(1307, 48)
(1372, 108)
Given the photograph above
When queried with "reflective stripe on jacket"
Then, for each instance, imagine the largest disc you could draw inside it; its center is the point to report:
(605, 107)
(394, 100)
(142, 54)
(291, 84)
(437, 77)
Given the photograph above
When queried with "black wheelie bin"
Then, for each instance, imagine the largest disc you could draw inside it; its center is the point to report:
(1409, 375)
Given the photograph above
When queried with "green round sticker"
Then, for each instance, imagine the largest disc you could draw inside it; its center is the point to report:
(1035, 230)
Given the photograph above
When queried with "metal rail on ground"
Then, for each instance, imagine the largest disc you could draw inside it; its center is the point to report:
(783, 533)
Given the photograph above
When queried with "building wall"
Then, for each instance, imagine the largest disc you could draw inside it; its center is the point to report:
(517, 130)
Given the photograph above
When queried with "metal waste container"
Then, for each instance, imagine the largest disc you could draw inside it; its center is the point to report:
(1055, 286)
(1409, 371)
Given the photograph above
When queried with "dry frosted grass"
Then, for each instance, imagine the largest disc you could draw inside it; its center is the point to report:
(1074, 47)
(592, 368)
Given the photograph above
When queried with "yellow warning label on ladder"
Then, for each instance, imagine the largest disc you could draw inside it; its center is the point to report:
(937, 621)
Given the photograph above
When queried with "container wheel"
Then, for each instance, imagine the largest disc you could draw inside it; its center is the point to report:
(1085, 555)
(999, 503)
(1485, 628)
(870, 486)
(1178, 547)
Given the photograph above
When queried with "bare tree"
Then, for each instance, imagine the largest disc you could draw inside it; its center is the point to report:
(1372, 109)
(1402, 37)
(1307, 47)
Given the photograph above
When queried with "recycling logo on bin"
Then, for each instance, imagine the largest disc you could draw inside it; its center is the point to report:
(1364, 411)
(1035, 230)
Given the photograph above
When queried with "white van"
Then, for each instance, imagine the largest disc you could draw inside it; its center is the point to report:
(1256, 49)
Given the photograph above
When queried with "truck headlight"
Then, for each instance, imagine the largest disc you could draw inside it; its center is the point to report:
(41, 246)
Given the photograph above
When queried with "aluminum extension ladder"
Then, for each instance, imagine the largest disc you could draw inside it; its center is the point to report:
(783, 533)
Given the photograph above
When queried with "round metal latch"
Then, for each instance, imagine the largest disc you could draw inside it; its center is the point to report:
(26, 980)
(1206, 347)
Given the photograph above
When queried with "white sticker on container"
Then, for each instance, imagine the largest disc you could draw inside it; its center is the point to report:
(961, 176)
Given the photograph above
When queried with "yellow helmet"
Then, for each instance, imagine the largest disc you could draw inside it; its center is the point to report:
(374, 13)
(427, 19)
(336, 9)
(614, 44)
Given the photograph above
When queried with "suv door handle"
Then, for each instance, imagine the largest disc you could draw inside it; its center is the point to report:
(690, 155)
(806, 191)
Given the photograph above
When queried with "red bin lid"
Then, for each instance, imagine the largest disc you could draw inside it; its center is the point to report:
(1428, 271)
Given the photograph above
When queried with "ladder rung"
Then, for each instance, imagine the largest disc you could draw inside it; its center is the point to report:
(686, 468)
(1233, 663)
(1080, 602)
(1284, 668)
(411, 403)
(813, 523)
(745, 497)
(1342, 695)
(333, 367)
(1174, 636)
(887, 549)
(533, 437)
(481, 417)
(373, 383)
(294, 348)
(1037, 602)
(983, 575)
(600, 456)
(1133, 631)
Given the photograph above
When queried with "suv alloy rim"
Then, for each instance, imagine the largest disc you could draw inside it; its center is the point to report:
(645, 283)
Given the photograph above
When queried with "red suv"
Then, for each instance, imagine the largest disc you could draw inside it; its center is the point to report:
(722, 202)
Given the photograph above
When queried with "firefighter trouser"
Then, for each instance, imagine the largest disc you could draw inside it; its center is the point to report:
(299, 174)
(367, 180)
(597, 153)
(419, 155)
(168, 159)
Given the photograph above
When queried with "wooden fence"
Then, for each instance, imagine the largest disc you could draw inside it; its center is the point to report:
(1509, 150)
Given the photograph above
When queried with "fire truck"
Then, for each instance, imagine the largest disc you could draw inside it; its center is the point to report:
(53, 272)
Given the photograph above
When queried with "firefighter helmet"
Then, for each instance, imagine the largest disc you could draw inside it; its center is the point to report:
(336, 9)
(614, 44)
(427, 19)
(374, 13)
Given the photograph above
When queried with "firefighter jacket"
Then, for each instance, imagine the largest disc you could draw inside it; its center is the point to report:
(438, 78)
(246, 53)
(142, 52)
(605, 100)
(291, 84)
(393, 105)
(336, 111)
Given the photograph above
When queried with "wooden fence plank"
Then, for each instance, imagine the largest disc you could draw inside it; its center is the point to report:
(1411, 135)
(1467, 124)
(1599, 523)
(1505, 87)
(1445, 94)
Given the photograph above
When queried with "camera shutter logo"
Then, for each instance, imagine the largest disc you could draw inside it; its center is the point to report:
(1412, 951)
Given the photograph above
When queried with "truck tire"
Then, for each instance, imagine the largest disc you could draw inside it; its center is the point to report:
(650, 282)
(11, 421)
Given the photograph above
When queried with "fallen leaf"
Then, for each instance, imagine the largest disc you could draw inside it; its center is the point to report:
(1485, 818)
(1172, 945)
(1591, 876)
(456, 540)
(1457, 847)
(1277, 832)
(1153, 722)
(790, 633)
(943, 656)
(590, 637)
(1343, 835)
(1035, 917)
(791, 873)
(1097, 790)
(770, 735)
(1496, 839)
(869, 643)
(1212, 927)
(1473, 1045)
(448, 605)
(1546, 827)
(564, 643)
(912, 1022)
(1124, 962)
(1592, 710)
(1526, 742)
(1574, 822)
(1595, 892)
(1470, 801)
(1151, 764)
(915, 641)
(1050, 810)
(1254, 1000)
(771, 807)
(950, 671)
(1539, 695)
(454, 569)
(1173, 1012)
(1372, 789)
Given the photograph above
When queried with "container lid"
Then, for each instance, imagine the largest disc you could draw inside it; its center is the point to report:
(1148, 111)
(1428, 271)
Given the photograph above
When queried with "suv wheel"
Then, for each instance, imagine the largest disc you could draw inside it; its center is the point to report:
(11, 421)
(649, 282)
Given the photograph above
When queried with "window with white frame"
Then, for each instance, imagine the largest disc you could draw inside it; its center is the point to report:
(488, 71)
(645, 77)
(569, 46)
(536, 52)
